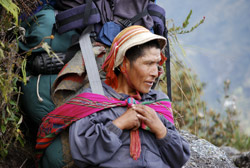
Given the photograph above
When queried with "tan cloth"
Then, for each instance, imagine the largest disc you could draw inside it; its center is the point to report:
(73, 78)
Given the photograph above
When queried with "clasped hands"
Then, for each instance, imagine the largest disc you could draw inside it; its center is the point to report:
(133, 117)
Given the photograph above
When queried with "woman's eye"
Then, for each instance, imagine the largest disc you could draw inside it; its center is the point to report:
(150, 63)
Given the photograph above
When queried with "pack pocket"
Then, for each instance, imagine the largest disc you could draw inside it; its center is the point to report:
(74, 18)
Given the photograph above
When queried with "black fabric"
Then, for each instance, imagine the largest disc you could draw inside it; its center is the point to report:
(66, 4)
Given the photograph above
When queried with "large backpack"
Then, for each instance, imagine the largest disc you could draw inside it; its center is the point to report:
(109, 17)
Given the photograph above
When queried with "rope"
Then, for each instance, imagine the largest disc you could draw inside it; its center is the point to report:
(37, 89)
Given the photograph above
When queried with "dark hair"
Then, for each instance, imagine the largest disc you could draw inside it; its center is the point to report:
(138, 51)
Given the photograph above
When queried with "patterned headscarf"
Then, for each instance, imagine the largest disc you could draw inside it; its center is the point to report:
(127, 38)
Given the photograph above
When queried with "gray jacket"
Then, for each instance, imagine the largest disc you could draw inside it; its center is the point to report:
(96, 142)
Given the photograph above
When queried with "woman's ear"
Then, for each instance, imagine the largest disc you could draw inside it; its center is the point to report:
(125, 65)
(126, 62)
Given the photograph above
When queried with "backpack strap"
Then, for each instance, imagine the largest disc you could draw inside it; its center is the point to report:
(90, 62)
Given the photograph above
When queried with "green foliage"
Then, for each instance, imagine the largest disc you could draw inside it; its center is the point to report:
(182, 29)
(50, 52)
(10, 67)
(12, 8)
(191, 113)
(225, 130)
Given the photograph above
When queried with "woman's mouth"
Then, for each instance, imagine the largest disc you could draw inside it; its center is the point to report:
(149, 83)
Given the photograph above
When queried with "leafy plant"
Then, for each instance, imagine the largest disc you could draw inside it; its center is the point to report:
(11, 66)
(10, 118)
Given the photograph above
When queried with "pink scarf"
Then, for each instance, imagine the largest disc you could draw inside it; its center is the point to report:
(85, 104)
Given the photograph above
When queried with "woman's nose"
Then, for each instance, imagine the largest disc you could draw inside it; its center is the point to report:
(154, 71)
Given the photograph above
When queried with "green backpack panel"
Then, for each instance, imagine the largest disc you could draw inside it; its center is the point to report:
(30, 103)
(41, 25)
(57, 155)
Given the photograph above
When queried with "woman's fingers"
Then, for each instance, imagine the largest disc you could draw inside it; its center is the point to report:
(142, 118)
(128, 120)
(141, 109)
(151, 119)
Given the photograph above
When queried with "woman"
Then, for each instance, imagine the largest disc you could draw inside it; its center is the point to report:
(139, 132)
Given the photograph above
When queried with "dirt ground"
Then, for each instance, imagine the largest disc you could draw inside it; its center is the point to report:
(18, 157)
(22, 156)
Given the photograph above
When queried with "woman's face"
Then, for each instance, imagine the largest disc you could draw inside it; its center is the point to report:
(144, 70)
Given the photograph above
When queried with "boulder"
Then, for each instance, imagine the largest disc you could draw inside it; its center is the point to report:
(240, 159)
(204, 154)
(243, 160)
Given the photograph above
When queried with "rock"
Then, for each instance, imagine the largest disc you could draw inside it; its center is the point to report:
(243, 160)
(240, 159)
(204, 154)
(230, 151)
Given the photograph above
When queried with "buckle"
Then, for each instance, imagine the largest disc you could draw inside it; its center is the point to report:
(125, 22)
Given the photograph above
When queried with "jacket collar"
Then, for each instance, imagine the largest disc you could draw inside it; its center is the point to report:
(109, 91)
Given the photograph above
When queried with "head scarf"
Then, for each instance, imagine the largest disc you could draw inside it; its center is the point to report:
(127, 38)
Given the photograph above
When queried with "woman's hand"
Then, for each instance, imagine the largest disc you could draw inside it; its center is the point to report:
(151, 119)
(128, 120)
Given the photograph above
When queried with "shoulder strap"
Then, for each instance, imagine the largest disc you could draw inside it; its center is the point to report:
(90, 62)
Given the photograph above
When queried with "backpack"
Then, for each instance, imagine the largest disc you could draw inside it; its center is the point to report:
(109, 17)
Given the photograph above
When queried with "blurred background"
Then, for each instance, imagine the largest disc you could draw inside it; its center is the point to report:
(218, 51)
